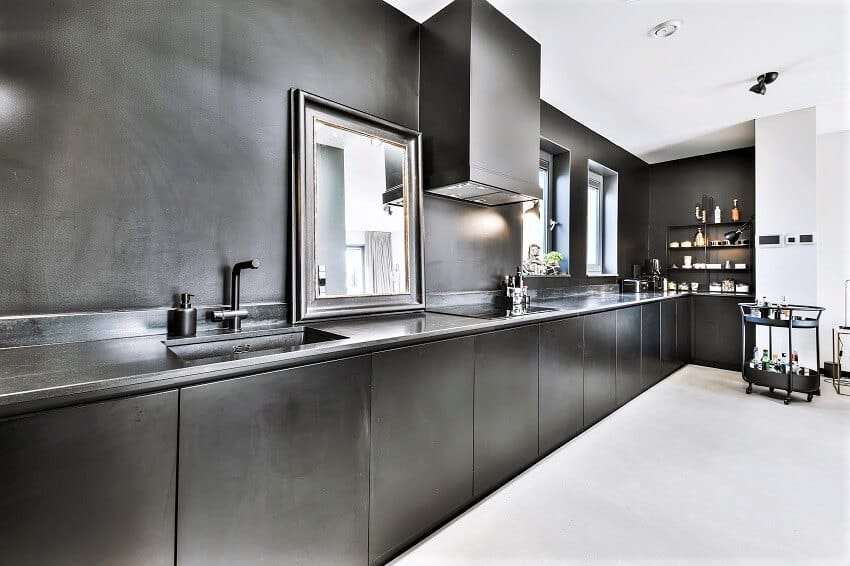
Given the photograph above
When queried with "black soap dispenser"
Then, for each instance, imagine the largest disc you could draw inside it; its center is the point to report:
(183, 320)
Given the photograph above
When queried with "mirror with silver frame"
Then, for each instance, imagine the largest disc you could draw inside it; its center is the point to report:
(356, 212)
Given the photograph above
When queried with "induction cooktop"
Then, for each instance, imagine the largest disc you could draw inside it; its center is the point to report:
(486, 311)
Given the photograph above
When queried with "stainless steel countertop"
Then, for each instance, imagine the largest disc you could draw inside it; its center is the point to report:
(44, 376)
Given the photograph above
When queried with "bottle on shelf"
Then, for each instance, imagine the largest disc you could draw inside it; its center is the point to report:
(699, 239)
(765, 360)
(736, 214)
(717, 215)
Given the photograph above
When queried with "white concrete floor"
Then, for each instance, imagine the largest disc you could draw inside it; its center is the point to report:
(692, 472)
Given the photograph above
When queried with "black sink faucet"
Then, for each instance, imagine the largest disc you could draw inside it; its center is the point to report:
(235, 314)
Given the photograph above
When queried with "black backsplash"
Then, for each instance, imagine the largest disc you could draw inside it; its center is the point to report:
(143, 145)
(676, 186)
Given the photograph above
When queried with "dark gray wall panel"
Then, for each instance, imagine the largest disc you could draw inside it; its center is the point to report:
(87, 485)
(677, 185)
(633, 194)
(561, 382)
(274, 468)
(145, 145)
(506, 390)
(469, 247)
(422, 417)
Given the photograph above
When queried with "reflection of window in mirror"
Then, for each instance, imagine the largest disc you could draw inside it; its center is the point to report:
(361, 229)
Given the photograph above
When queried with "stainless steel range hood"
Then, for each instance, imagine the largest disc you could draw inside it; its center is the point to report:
(479, 106)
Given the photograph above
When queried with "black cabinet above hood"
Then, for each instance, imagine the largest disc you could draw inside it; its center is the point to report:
(479, 106)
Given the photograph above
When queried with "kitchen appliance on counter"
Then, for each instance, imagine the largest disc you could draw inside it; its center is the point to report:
(651, 278)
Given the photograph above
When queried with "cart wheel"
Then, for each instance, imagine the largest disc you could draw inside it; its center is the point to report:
(787, 400)
(809, 397)
(749, 389)
(771, 389)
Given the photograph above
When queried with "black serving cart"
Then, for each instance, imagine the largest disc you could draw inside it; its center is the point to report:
(790, 318)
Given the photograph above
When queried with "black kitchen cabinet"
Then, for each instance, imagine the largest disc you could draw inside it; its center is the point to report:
(274, 468)
(628, 354)
(93, 484)
(506, 390)
(561, 382)
(718, 320)
(669, 361)
(422, 417)
(683, 331)
(650, 367)
(599, 366)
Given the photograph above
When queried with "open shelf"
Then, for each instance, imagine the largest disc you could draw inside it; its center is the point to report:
(707, 224)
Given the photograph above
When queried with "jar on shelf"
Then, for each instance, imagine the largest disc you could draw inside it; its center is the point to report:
(699, 238)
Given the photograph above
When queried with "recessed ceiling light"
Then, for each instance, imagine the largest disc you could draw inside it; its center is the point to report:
(665, 29)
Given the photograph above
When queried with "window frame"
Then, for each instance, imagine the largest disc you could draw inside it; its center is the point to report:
(595, 268)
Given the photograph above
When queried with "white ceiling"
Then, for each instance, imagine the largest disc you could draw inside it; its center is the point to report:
(688, 94)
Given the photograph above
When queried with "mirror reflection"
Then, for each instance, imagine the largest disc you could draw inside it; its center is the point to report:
(361, 216)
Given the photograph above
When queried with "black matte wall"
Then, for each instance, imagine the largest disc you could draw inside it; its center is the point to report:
(633, 217)
(143, 145)
(676, 186)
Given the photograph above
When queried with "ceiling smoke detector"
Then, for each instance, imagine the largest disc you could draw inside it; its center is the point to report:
(665, 29)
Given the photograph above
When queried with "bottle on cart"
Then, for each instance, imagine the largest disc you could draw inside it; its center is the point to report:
(774, 365)
(785, 312)
(795, 362)
(765, 360)
(783, 363)
(754, 362)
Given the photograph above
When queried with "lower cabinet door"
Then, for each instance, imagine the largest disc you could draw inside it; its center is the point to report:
(90, 485)
(718, 319)
(505, 405)
(561, 382)
(628, 354)
(669, 362)
(599, 366)
(650, 367)
(421, 472)
(274, 468)
(683, 331)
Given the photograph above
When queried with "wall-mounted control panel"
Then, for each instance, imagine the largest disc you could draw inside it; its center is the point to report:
(770, 240)
(778, 240)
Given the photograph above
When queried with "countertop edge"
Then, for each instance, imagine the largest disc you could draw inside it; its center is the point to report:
(35, 400)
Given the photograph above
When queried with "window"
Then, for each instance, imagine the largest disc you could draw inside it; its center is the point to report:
(595, 223)
(534, 214)
(355, 269)
(602, 195)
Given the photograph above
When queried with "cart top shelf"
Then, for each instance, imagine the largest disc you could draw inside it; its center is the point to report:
(796, 316)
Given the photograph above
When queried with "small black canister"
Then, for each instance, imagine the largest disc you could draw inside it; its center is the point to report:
(183, 320)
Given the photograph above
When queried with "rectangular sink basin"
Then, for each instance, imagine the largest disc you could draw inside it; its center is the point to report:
(247, 343)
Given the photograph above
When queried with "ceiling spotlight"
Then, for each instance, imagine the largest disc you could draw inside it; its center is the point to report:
(763, 80)
(665, 29)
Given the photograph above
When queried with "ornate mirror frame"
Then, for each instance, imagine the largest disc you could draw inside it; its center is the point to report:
(306, 305)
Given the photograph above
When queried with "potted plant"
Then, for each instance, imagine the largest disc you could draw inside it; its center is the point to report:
(553, 262)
